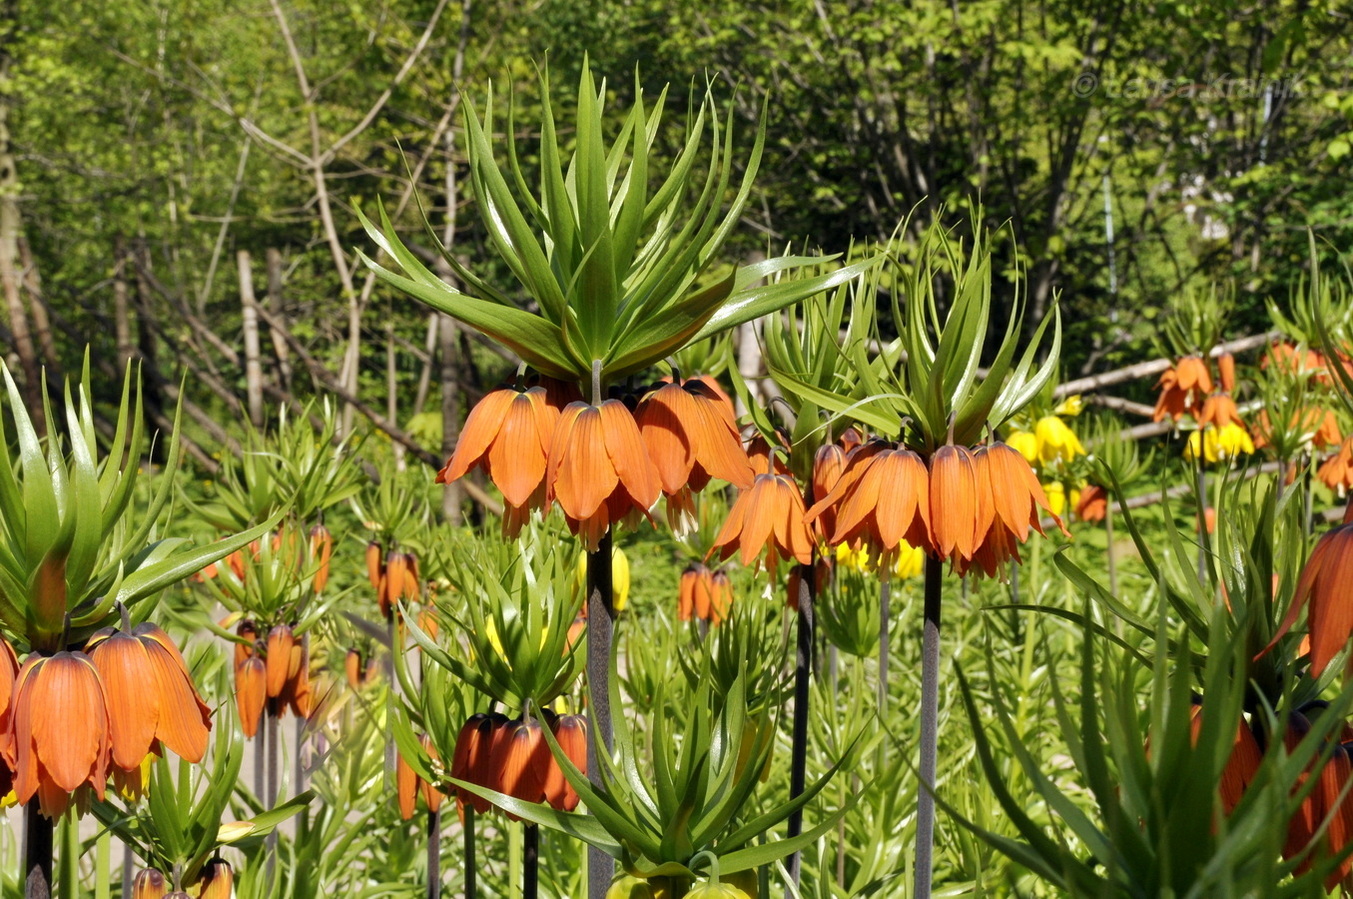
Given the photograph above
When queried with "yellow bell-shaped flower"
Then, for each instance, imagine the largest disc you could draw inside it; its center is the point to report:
(1056, 495)
(1026, 443)
(1070, 407)
(854, 559)
(1056, 440)
(910, 560)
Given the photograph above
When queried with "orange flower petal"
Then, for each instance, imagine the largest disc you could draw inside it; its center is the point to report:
(477, 435)
(128, 674)
(70, 721)
(625, 447)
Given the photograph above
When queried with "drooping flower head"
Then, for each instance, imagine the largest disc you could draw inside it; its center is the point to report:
(150, 694)
(599, 471)
(767, 516)
(691, 436)
(881, 499)
(58, 739)
(508, 435)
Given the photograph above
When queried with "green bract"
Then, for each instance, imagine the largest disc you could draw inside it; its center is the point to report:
(73, 539)
(608, 264)
(513, 606)
(931, 373)
(177, 827)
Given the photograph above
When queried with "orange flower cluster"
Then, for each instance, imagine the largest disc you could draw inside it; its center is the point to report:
(271, 674)
(360, 675)
(1291, 359)
(1183, 389)
(1327, 801)
(704, 595)
(769, 515)
(512, 757)
(393, 575)
(1321, 424)
(972, 508)
(318, 550)
(601, 463)
(70, 719)
(1336, 472)
(409, 786)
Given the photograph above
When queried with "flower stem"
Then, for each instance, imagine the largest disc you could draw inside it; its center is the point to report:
(435, 853)
(600, 635)
(885, 614)
(471, 889)
(103, 866)
(930, 700)
(803, 671)
(531, 859)
(1108, 540)
(37, 853)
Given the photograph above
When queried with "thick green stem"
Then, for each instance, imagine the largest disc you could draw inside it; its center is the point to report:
(435, 853)
(885, 619)
(1108, 546)
(930, 702)
(37, 853)
(600, 636)
(803, 672)
(471, 888)
(128, 868)
(103, 866)
(531, 861)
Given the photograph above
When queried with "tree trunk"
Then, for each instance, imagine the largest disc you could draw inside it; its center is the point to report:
(279, 343)
(151, 376)
(122, 326)
(446, 334)
(42, 321)
(9, 242)
(253, 369)
(392, 390)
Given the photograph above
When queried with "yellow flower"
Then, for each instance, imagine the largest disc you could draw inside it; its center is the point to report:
(1232, 440)
(1056, 440)
(1026, 443)
(854, 559)
(1218, 444)
(620, 577)
(1056, 495)
(1070, 407)
(910, 561)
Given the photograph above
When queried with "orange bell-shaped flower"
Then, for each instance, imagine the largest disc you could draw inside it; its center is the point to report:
(960, 503)
(570, 732)
(474, 759)
(881, 499)
(599, 471)
(768, 515)
(150, 695)
(149, 884)
(321, 550)
(1326, 587)
(278, 659)
(57, 739)
(691, 436)
(217, 880)
(524, 761)
(251, 693)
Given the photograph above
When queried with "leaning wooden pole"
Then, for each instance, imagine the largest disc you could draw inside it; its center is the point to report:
(253, 367)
